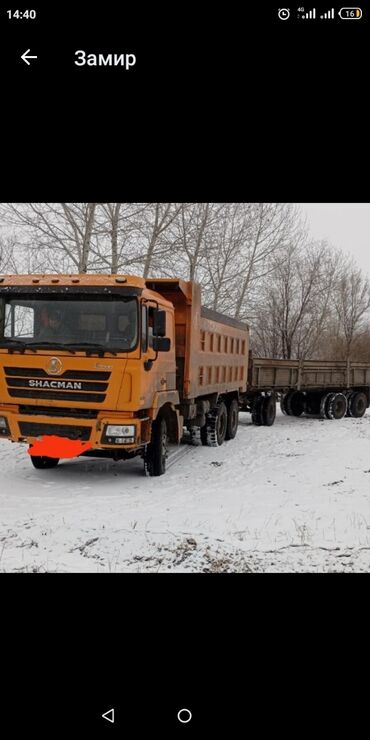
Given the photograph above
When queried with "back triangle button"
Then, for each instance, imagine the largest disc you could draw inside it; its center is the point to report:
(109, 715)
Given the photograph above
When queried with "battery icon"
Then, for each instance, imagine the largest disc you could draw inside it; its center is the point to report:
(350, 13)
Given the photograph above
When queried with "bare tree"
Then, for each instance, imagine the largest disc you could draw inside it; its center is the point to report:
(190, 229)
(8, 255)
(55, 230)
(352, 303)
(296, 300)
(154, 228)
(268, 228)
(222, 253)
(117, 241)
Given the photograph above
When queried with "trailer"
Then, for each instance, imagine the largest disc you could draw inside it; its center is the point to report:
(329, 389)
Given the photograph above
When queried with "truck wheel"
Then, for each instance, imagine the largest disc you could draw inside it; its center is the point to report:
(232, 419)
(216, 426)
(268, 411)
(41, 463)
(156, 452)
(358, 405)
(296, 403)
(257, 418)
(336, 406)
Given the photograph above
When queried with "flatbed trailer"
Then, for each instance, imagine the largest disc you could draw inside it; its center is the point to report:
(328, 388)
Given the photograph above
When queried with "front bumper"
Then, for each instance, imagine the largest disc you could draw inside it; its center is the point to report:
(29, 427)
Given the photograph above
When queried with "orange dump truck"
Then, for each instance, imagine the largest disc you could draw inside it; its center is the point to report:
(115, 366)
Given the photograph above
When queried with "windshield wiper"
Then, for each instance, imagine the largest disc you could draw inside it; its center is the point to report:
(16, 344)
(92, 347)
(52, 345)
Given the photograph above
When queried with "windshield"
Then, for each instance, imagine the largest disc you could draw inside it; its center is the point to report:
(108, 322)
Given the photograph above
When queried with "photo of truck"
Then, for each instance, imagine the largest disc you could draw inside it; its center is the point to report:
(121, 365)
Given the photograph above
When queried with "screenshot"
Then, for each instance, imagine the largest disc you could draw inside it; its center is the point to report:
(184, 369)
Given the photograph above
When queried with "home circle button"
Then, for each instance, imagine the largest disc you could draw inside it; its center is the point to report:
(184, 716)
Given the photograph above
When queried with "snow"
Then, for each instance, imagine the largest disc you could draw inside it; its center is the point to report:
(291, 497)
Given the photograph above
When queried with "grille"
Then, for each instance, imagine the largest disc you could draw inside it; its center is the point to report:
(31, 382)
(32, 429)
(57, 411)
(58, 396)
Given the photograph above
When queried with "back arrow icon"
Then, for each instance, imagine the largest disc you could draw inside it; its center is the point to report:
(109, 715)
(26, 58)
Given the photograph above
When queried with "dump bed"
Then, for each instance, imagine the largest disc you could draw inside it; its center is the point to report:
(282, 375)
(211, 348)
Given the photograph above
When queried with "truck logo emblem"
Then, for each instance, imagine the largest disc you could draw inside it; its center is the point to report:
(54, 367)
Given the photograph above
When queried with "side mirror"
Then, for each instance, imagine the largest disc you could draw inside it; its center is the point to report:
(161, 344)
(159, 323)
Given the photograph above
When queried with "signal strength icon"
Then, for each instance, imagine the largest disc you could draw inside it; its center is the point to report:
(329, 14)
(311, 14)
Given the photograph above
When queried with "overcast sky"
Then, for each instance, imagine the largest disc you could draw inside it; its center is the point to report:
(344, 225)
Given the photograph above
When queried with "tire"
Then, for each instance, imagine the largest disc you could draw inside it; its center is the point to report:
(268, 411)
(215, 430)
(257, 418)
(358, 405)
(156, 453)
(323, 402)
(232, 419)
(42, 463)
(336, 406)
(296, 403)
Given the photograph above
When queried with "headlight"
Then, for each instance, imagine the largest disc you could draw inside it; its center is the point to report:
(114, 430)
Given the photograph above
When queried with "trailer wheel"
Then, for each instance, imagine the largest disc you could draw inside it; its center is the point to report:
(268, 411)
(286, 403)
(329, 399)
(323, 402)
(257, 418)
(41, 463)
(296, 403)
(215, 429)
(232, 419)
(336, 406)
(157, 450)
(358, 405)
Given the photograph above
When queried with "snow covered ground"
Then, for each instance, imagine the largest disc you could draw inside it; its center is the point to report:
(292, 497)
